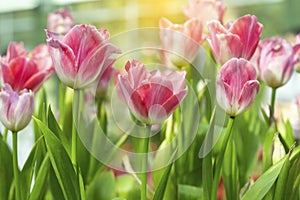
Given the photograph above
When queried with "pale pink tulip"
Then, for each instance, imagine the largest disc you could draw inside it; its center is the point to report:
(236, 86)
(26, 70)
(205, 10)
(16, 108)
(276, 61)
(237, 39)
(151, 96)
(60, 21)
(81, 55)
(180, 42)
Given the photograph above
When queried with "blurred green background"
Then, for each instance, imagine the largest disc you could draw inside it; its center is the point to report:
(25, 20)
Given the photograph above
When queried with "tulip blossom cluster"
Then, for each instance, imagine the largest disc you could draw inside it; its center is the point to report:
(151, 96)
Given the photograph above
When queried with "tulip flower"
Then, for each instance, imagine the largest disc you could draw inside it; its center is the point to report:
(60, 21)
(151, 96)
(26, 70)
(16, 108)
(205, 10)
(180, 42)
(236, 86)
(237, 39)
(276, 61)
(80, 56)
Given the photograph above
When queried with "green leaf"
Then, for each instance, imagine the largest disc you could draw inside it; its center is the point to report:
(288, 135)
(160, 190)
(61, 163)
(26, 174)
(103, 186)
(55, 128)
(207, 172)
(55, 189)
(293, 182)
(127, 187)
(280, 187)
(230, 171)
(260, 188)
(39, 188)
(189, 192)
(6, 170)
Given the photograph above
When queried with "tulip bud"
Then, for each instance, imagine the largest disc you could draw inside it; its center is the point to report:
(237, 39)
(80, 56)
(16, 108)
(276, 62)
(180, 42)
(236, 86)
(151, 96)
(60, 21)
(205, 10)
(26, 70)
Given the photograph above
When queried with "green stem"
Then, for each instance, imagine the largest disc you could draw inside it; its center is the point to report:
(5, 134)
(74, 145)
(219, 161)
(16, 165)
(272, 108)
(74, 132)
(145, 146)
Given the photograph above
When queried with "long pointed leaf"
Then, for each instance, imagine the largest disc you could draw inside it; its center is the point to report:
(39, 187)
(6, 173)
(61, 163)
(260, 188)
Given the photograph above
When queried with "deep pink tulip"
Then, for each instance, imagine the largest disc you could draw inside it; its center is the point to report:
(237, 39)
(26, 70)
(180, 42)
(16, 108)
(151, 96)
(236, 86)
(205, 10)
(60, 21)
(81, 55)
(276, 61)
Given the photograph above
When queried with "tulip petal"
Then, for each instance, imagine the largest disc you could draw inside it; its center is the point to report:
(249, 31)
(248, 95)
(90, 40)
(93, 66)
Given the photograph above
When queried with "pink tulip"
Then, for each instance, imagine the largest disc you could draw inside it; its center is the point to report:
(80, 56)
(276, 61)
(236, 86)
(16, 108)
(205, 10)
(180, 42)
(237, 39)
(151, 96)
(26, 70)
(60, 21)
